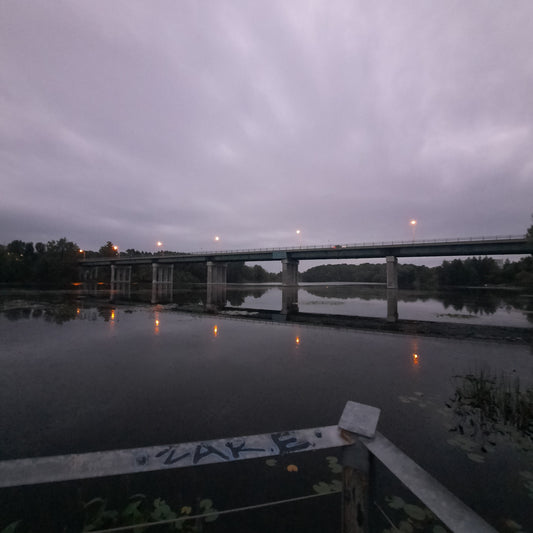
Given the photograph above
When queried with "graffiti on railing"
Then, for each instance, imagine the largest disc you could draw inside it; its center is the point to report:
(230, 450)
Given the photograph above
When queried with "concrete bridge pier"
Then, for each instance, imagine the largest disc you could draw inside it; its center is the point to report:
(392, 288)
(88, 274)
(162, 273)
(120, 274)
(161, 293)
(392, 305)
(121, 289)
(289, 300)
(392, 272)
(216, 297)
(289, 273)
(216, 273)
(216, 286)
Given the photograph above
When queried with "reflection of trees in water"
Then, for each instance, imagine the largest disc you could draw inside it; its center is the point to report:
(472, 301)
(346, 292)
(475, 302)
(483, 301)
(486, 407)
(528, 308)
(58, 314)
(236, 297)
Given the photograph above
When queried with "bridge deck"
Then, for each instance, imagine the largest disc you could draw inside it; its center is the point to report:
(509, 245)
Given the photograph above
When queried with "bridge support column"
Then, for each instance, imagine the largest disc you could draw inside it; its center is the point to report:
(162, 273)
(161, 293)
(289, 273)
(88, 273)
(392, 305)
(120, 274)
(289, 300)
(216, 297)
(216, 273)
(392, 272)
(216, 286)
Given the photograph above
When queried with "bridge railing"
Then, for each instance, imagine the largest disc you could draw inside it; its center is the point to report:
(340, 246)
(363, 244)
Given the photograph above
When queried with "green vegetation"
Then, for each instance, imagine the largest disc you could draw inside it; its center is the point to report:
(471, 272)
(139, 512)
(54, 262)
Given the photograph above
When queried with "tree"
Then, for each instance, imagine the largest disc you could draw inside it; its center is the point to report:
(108, 250)
(529, 232)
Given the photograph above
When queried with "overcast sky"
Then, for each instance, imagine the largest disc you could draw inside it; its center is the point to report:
(138, 121)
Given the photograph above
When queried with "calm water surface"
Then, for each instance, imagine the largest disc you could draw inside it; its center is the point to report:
(83, 373)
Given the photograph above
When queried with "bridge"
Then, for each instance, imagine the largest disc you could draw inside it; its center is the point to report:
(290, 257)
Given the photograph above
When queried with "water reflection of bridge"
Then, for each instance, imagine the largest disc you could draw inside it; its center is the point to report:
(215, 300)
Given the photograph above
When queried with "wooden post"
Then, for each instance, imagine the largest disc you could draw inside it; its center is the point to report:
(356, 420)
(355, 473)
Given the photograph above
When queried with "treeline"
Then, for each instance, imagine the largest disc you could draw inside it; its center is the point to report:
(472, 272)
(56, 263)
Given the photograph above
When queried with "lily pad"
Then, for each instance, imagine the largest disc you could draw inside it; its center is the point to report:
(322, 487)
(395, 502)
(415, 512)
(406, 527)
(334, 465)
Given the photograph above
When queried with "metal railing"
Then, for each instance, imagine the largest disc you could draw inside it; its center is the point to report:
(355, 433)
(339, 246)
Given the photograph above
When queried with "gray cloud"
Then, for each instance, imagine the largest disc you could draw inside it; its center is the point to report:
(139, 121)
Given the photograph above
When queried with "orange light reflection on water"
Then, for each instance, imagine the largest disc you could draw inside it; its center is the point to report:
(215, 330)
(415, 354)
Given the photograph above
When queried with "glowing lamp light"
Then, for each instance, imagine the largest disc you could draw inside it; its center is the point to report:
(413, 223)
(215, 330)
(297, 340)
(415, 358)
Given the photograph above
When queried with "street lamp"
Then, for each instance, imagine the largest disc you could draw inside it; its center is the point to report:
(115, 248)
(413, 225)
(82, 252)
(299, 235)
(159, 244)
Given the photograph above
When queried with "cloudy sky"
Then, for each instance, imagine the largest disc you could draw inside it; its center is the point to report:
(138, 121)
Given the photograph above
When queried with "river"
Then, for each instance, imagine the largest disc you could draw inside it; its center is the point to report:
(88, 370)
